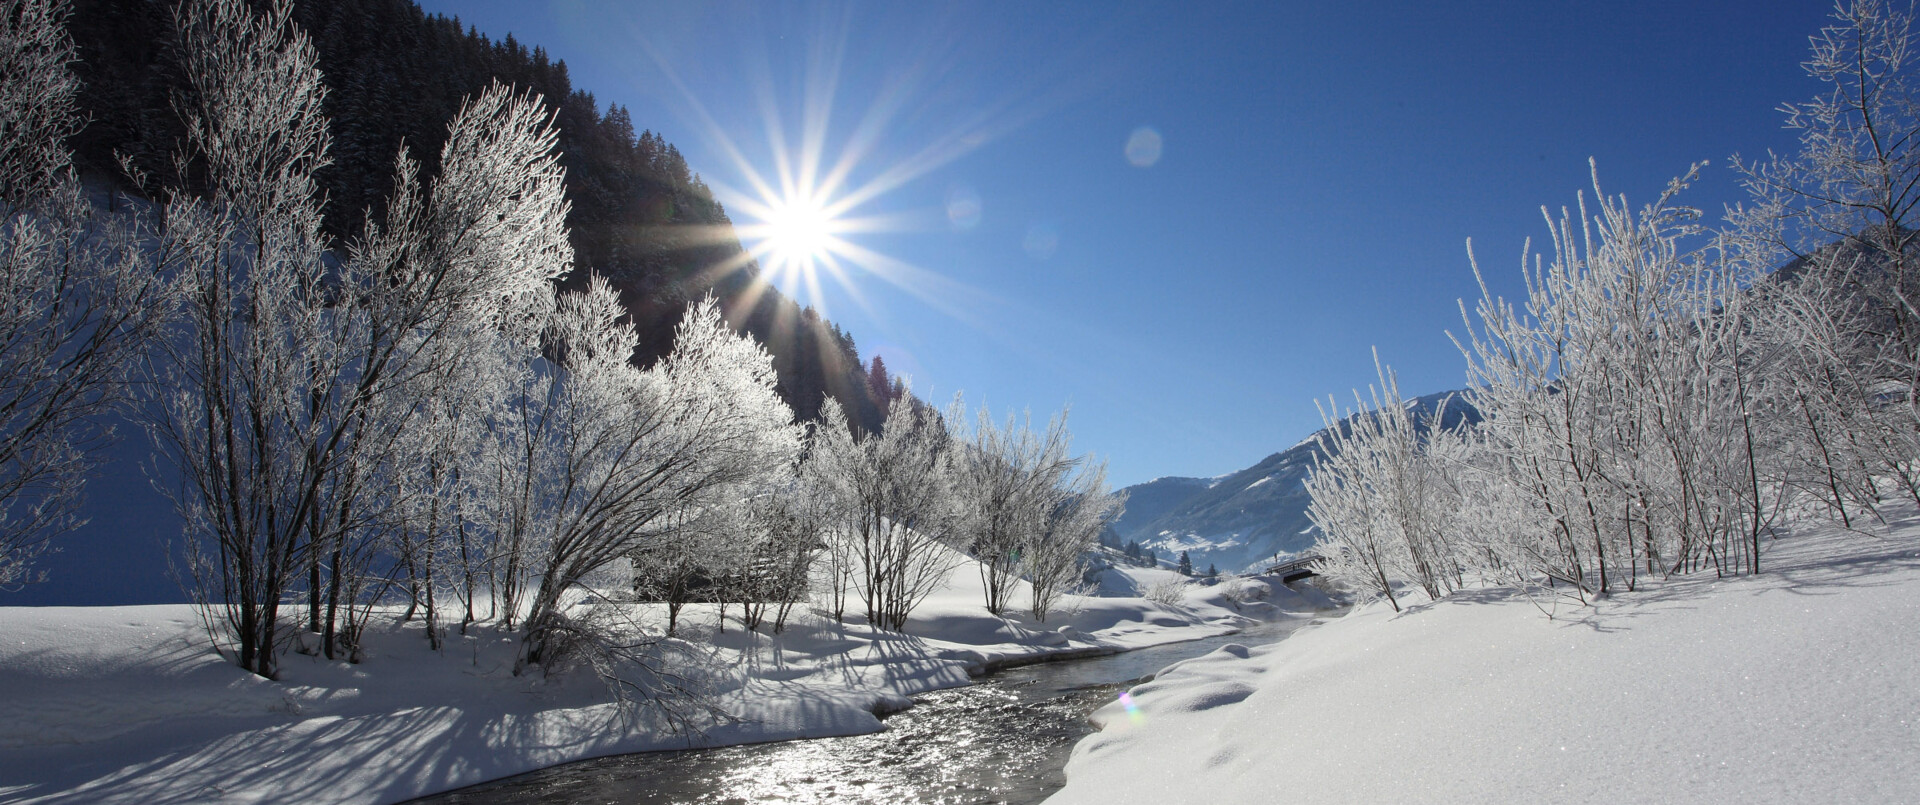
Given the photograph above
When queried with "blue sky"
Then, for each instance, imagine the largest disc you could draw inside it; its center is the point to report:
(1321, 167)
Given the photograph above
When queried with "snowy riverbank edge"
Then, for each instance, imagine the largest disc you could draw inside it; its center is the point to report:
(127, 704)
(1797, 685)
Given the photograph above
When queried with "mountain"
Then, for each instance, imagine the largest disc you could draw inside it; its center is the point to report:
(395, 76)
(1150, 501)
(1244, 520)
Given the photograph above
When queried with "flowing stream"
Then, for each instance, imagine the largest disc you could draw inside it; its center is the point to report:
(1005, 739)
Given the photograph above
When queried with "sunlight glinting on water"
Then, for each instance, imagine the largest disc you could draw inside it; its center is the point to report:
(1005, 740)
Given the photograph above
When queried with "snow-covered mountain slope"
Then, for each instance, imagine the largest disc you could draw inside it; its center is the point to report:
(1156, 498)
(1245, 519)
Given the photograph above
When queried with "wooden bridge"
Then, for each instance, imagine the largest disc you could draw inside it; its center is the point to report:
(1294, 570)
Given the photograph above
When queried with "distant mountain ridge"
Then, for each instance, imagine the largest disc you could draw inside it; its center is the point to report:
(1246, 519)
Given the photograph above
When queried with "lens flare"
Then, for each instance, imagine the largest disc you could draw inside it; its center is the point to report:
(1143, 147)
(963, 208)
(1133, 710)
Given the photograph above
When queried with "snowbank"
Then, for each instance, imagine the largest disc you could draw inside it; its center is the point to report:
(1799, 685)
(127, 704)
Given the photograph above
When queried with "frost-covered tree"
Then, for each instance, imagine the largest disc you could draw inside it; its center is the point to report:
(1006, 484)
(789, 524)
(1025, 507)
(1843, 313)
(1661, 395)
(291, 378)
(636, 458)
(79, 294)
(455, 268)
(1055, 561)
(1856, 178)
(238, 382)
(1625, 400)
(37, 92)
(1621, 399)
(1629, 408)
(893, 511)
(1382, 505)
(1833, 438)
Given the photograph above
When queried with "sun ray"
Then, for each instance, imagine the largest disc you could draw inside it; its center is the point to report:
(800, 208)
(956, 299)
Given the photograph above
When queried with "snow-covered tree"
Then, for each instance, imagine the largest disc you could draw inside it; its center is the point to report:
(1381, 504)
(635, 456)
(238, 385)
(79, 294)
(893, 510)
(292, 378)
(1006, 481)
(1055, 561)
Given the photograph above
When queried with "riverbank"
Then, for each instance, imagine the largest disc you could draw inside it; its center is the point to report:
(1796, 685)
(1004, 739)
(128, 704)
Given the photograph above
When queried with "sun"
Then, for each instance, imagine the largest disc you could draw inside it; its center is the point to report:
(804, 217)
(798, 234)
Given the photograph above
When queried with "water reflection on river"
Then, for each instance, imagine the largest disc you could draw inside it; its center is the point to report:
(1005, 740)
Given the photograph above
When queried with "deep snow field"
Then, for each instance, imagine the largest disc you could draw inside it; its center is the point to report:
(1801, 684)
(128, 704)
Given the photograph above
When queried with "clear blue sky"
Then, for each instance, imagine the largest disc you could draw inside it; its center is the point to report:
(1322, 165)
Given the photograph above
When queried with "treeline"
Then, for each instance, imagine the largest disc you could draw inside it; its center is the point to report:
(1661, 400)
(638, 216)
(428, 418)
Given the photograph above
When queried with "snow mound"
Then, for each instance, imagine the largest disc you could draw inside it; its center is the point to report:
(1793, 686)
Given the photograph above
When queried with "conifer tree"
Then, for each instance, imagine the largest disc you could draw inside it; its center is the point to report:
(878, 384)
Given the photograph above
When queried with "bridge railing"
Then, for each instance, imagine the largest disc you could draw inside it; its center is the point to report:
(1294, 569)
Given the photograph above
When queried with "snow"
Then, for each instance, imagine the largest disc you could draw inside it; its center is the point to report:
(1131, 581)
(1259, 482)
(1797, 685)
(128, 704)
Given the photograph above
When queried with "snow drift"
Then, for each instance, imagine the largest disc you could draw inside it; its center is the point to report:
(1796, 685)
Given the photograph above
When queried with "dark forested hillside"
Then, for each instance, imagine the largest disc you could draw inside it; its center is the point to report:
(640, 217)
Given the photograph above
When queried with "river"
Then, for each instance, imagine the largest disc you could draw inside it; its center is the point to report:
(1005, 739)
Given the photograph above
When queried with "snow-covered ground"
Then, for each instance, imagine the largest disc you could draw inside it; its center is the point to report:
(127, 704)
(1801, 684)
